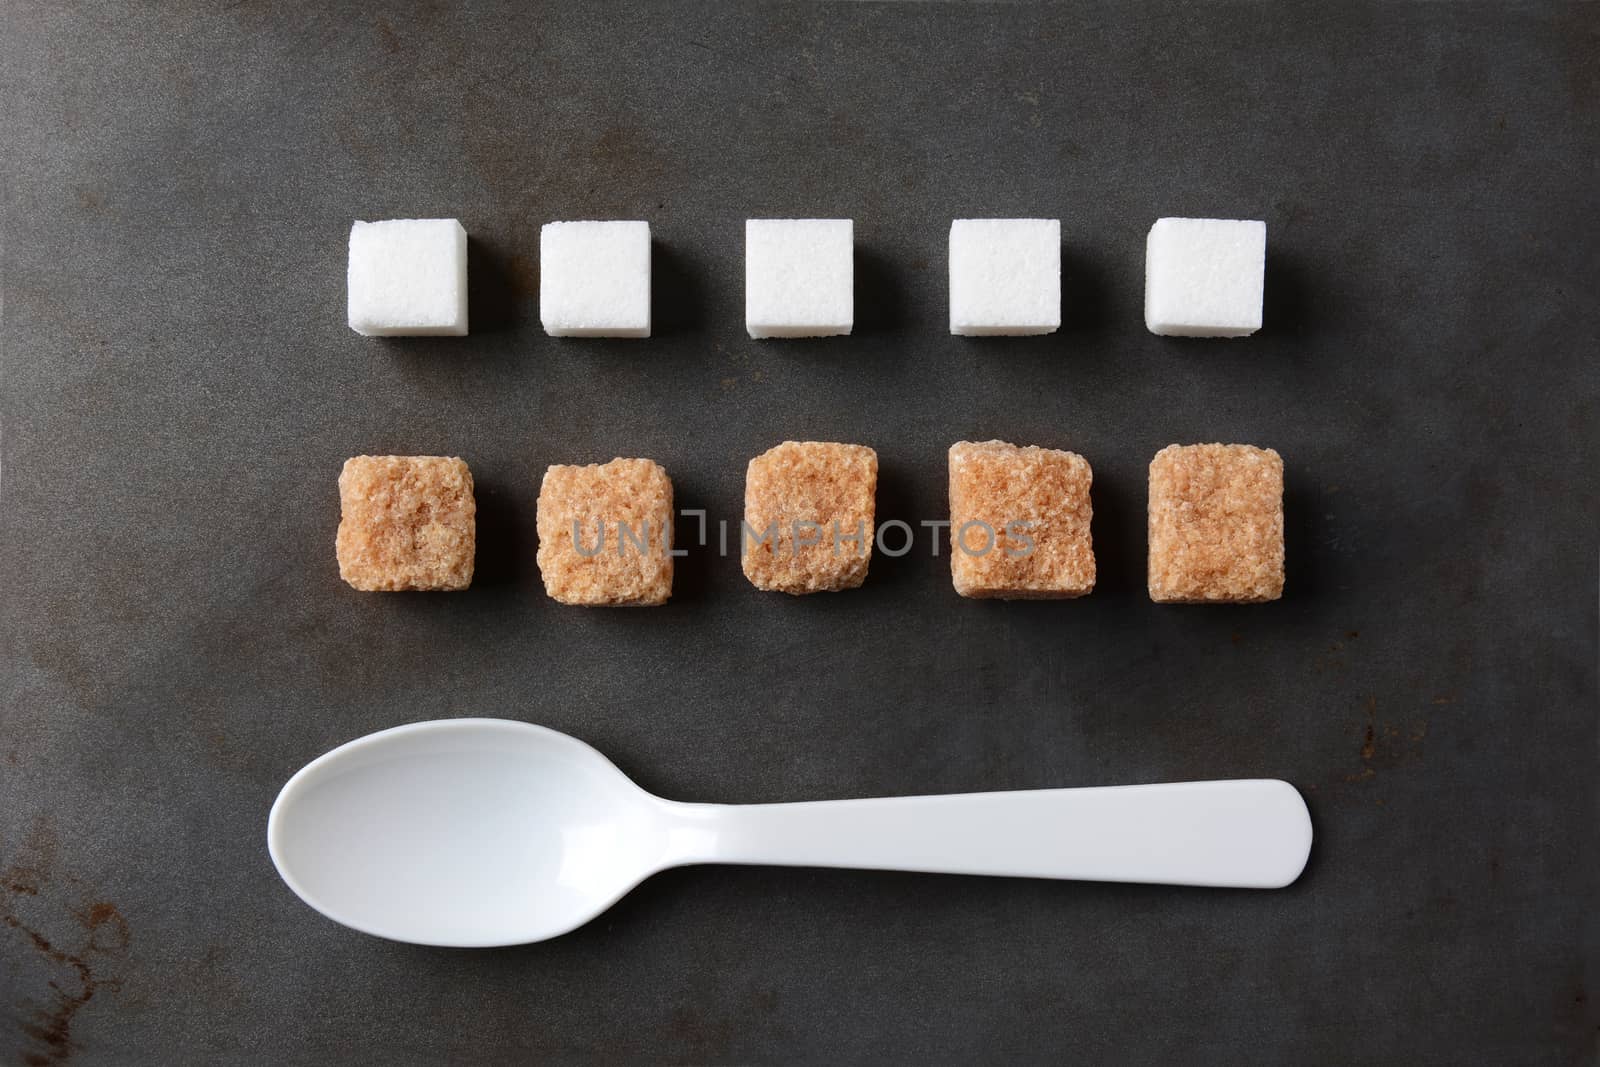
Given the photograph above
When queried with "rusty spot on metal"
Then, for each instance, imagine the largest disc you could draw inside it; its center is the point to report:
(46, 1022)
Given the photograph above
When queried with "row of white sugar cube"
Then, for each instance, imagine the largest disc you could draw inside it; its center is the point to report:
(1203, 277)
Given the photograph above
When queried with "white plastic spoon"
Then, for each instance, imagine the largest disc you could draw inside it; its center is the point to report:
(478, 832)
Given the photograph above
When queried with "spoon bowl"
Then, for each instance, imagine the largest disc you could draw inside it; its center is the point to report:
(480, 832)
(463, 832)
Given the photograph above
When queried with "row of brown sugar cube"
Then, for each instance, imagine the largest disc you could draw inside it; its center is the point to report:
(1019, 524)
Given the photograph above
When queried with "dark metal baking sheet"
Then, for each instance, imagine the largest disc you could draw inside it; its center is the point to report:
(179, 390)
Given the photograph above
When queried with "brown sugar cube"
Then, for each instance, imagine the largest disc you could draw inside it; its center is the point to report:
(808, 514)
(1019, 522)
(1216, 525)
(406, 523)
(604, 534)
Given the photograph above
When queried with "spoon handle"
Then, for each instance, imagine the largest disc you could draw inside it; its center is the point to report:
(1246, 833)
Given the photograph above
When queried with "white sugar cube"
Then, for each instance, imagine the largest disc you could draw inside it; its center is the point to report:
(1203, 277)
(594, 279)
(407, 277)
(1005, 276)
(799, 277)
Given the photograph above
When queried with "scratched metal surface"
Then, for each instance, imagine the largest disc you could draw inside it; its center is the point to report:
(179, 390)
